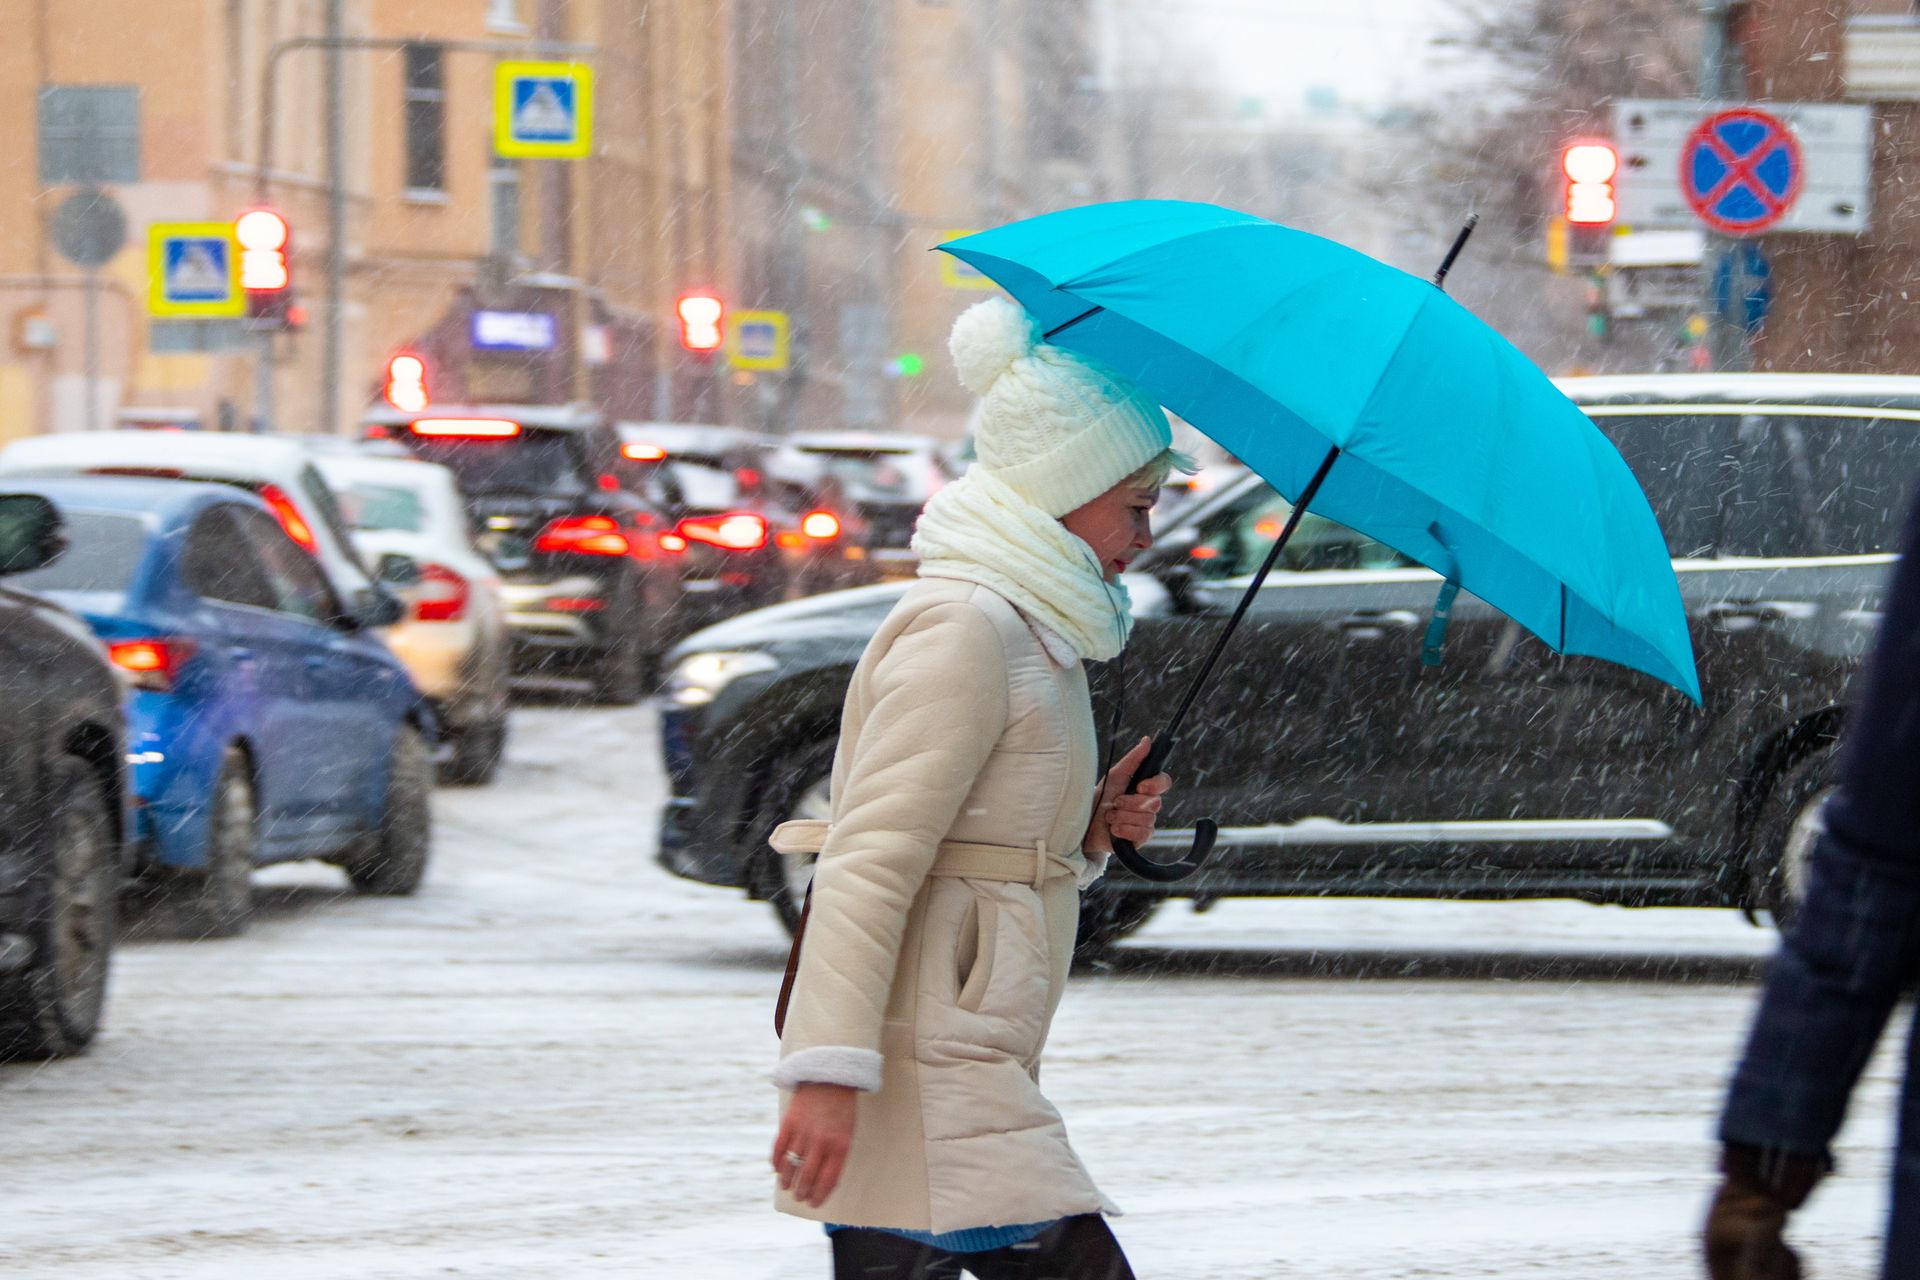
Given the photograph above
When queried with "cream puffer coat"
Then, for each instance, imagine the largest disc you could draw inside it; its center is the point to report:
(944, 906)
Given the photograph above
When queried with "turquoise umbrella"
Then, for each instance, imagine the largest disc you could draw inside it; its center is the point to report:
(1371, 395)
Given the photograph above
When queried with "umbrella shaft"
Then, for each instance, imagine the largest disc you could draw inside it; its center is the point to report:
(1240, 611)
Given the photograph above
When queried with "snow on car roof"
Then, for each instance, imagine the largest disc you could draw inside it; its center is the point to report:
(208, 453)
(1888, 390)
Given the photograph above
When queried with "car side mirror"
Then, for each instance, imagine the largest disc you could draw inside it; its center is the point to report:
(397, 570)
(373, 606)
(32, 533)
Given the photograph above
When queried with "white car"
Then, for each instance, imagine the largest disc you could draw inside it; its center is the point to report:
(279, 469)
(454, 637)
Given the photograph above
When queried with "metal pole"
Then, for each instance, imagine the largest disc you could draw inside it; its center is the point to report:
(1725, 342)
(263, 408)
(336, 217)
(789, 270)
(91, 339)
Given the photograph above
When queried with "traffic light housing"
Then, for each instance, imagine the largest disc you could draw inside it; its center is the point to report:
(1590, 202)
(702, 319)
(265, 241)
(407, 382)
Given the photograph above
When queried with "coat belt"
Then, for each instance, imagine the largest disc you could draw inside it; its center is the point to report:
(1010, 864)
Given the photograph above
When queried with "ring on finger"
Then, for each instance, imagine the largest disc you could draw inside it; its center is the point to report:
(795, 1159)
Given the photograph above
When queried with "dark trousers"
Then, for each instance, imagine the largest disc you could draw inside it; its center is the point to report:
(1079, 1248)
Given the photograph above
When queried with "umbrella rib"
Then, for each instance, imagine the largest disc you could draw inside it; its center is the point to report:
(1048, 335)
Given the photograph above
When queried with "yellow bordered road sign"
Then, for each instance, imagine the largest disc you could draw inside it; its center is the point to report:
(542, 109)
(193, 269)
(758, 340)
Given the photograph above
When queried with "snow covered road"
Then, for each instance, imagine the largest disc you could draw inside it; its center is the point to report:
(551, 1063)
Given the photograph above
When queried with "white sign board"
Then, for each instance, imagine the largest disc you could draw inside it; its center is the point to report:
(1835, 154)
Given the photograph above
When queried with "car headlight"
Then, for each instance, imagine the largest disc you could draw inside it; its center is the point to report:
(700, 677)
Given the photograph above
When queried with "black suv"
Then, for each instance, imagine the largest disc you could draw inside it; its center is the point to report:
(587, 586)
(1337, 764)
(63, 822)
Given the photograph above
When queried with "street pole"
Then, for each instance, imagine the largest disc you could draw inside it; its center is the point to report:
(336, 217)
(91, 338)
(263, 408)
(789, 273)
(1726, 338)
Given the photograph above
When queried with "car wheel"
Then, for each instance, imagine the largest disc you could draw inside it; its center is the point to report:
(1790, 823)
(396, 862)
(53, 1006)
(217, 899)
(620, 674)
(1107, 916)
(476, 754)
(783, 879)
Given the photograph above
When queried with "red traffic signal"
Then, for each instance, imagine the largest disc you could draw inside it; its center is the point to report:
(701, 316)
(264, 235)
(1590, 168)
(407, 382)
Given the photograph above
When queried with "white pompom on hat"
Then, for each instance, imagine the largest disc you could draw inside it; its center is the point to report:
(1057, 428)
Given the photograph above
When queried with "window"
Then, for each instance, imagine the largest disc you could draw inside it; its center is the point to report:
(1685, 464)
(1850, 477)
(1234, 543)
(383, 506)
(426, 119)
(299, 588)
(89, 133)
(503, 190)
(504, 15)
(103, 550)
(221, 566)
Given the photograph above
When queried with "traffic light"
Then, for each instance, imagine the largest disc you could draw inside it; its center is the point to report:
(1590, 207)
(407, 382)
(264, 241)
(701, 316)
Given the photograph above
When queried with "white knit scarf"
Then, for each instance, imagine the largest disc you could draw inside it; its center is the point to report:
(978, 529)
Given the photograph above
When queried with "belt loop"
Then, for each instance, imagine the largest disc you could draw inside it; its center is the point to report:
(1040, 866)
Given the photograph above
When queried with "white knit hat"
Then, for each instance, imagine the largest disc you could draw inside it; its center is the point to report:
(1057, 428)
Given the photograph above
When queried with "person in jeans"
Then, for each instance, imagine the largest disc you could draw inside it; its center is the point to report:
(1847, 957)
(941, 921)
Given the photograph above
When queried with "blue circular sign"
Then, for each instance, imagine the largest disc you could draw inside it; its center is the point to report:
(1740, 171)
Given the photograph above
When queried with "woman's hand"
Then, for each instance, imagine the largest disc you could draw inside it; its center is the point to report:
(1122, 816)
(810, 1150)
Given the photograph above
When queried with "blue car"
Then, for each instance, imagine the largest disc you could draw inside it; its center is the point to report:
(266, 721)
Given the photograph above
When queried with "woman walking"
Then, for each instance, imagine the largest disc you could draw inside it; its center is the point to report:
(946, 893)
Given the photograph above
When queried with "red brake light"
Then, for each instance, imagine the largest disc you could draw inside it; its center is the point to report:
(150, 664)
(466, 428)
(1204, 553)
(643, 452)
(443, 595)
(672, 542)
(588, 535)
(821, 525)
(739, 531)
(289, 516)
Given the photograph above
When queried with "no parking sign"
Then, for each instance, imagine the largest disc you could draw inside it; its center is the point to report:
(1741, 170)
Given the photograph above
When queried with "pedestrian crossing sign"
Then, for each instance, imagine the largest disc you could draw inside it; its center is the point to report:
(193, 269)
(542, 109)
(758, 340)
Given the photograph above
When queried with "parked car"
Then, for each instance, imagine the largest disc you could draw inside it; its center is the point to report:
(266, 721)
(879, 480)
(1337, 764)
(279, 470)
(587, 585)
(453, 639)
(63, 803)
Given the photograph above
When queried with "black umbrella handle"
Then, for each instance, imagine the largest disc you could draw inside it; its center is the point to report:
(1203, 833)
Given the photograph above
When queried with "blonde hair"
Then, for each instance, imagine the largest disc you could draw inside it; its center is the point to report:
(1155, 473)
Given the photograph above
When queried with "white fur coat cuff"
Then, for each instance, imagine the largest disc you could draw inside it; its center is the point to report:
(1095, 868)
(830, 1064)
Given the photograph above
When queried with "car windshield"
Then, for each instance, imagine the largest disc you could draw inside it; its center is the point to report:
(102, 554)
(705, 488)
(533, 462)
(368, 505)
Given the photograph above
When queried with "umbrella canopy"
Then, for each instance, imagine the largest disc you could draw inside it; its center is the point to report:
(1454, 449)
